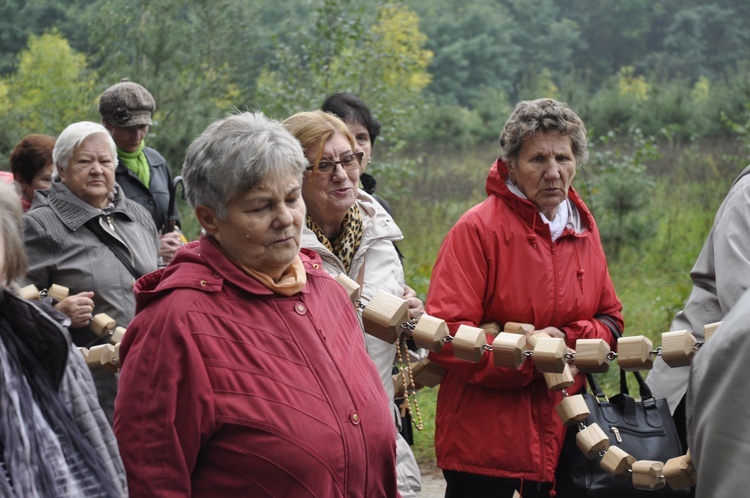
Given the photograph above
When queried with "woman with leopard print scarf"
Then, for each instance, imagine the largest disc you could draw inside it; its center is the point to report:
(354, 235)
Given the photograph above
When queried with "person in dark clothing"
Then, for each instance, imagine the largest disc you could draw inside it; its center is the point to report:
(142, 172)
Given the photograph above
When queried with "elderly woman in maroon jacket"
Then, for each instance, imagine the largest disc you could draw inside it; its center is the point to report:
(244, 372)
(529, 253)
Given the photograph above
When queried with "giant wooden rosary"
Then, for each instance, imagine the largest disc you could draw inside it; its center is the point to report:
(386, 317)
(101, 358)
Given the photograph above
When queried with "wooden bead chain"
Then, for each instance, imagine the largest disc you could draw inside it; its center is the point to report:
(410, 388)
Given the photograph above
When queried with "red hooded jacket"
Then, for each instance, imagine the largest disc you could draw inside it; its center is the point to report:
(228, 389)
(499, 263)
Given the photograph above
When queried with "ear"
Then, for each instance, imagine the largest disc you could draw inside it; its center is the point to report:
(207, 218)
(511, 172)
(60, 171)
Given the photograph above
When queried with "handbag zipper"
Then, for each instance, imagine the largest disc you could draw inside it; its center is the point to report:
(617, 431)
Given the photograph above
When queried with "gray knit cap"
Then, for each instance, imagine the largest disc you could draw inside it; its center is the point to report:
(127, 104)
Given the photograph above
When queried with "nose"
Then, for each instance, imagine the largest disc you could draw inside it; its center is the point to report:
(97, 168)
(339, 173)
(552, 171)
(284, 217)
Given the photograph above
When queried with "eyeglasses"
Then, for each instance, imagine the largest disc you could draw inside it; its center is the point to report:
(349, 162)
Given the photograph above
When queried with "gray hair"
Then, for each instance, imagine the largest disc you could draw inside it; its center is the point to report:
(530, 116)
(14, 262)
(72, 137)
(236, 154)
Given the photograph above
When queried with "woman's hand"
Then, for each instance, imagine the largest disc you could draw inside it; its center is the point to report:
(552, 332)
(168, 245)
(79, 308)
(416, 306)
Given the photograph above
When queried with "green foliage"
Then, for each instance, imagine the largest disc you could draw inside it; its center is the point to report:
(51, 88)
(376, 53)
(176, 49)
(619, 190)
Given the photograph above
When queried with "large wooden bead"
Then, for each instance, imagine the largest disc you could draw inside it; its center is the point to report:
(58, 292)
(678, 348)
(351, 287)
(647, 474)
(491, 328)
(549, 355)
(508, 350)
(709, 329)
(383, 316)
(518, 328)
(101, 325)
(559, 381)
(430, 333)
(469, 343)
(117, 335)
(100, 358)
(592, 355)
(572, 410)
(679, 472)
(592, 440)
(617, 462)
(29, 292)
(426, 373)
(634, 353)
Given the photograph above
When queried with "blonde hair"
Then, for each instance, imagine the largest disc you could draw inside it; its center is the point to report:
(15, 263)
(313, 129)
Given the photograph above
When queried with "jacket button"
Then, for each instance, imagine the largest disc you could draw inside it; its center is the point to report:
(354, 417)
(300, 308)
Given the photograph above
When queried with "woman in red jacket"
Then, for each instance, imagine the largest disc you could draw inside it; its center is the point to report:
(244, 372)
(529, 253)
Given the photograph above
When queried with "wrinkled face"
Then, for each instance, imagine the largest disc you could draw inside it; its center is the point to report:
(362, 142)
(128, 138)
(91, 171)
(263, 226)
(329, 195)
(544, 170)
(42, 181)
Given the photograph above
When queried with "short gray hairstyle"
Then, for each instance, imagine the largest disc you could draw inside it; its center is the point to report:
(72, 137)
(234, 155)
(530, 116)
(14, 261)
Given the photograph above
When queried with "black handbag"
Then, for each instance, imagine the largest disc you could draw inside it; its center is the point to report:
(644, 429)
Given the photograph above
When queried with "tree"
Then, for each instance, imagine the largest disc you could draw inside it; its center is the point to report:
(51, 88)
(378, 55)
(178, 50)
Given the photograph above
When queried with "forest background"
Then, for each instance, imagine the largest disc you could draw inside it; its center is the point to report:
(663, 88)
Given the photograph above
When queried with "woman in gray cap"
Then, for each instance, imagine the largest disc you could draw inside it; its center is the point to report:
(141, 171)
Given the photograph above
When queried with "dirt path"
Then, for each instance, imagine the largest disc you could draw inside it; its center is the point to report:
(433, 484)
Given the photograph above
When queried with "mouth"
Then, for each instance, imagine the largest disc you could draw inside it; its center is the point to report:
(341, 191)
(286, 240)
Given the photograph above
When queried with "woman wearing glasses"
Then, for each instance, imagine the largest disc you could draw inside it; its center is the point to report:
(354, 235)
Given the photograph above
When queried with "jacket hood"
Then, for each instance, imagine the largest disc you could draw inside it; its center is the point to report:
(200, 265)
(527, 210)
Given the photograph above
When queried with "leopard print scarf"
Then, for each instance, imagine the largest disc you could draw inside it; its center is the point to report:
(350, 236)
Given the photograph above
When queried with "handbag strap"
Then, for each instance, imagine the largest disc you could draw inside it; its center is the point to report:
(94, 226)
(643, 389)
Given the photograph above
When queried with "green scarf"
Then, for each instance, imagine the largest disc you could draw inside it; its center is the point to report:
(136, 162)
